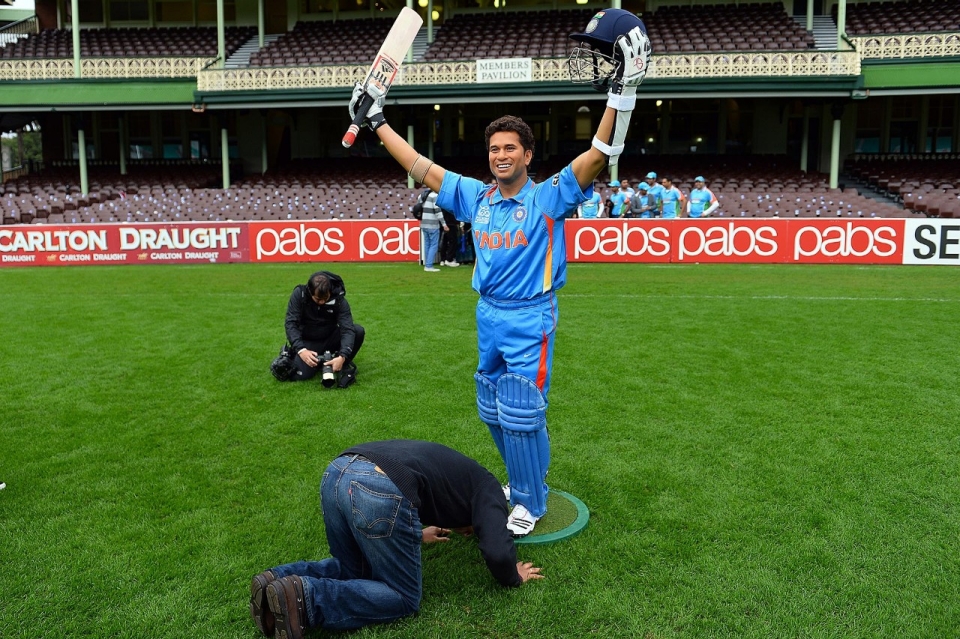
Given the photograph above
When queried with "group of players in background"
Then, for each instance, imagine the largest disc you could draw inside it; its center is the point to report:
(649, 200)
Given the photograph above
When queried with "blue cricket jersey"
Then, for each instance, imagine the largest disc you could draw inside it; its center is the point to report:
(618, 199)
(671, 202)
(701, 200)
(591, 208)
(519, 241)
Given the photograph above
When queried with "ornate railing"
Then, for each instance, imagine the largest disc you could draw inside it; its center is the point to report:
(908, 45)
(331, 76)
(678, 66)
(100, 68)
(756, 64)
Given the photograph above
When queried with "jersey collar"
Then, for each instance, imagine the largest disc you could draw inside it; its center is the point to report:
(496, 197)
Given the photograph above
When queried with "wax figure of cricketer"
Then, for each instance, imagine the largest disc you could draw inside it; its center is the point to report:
(520, 248)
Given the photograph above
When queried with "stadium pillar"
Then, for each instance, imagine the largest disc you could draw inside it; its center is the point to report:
(409, 51)
(75, 28)
(432, 133)
(924, 124)
(122, 135)
(260, 20)
(836, 110)
(805, 142)
(221, 37)
(82, 149)
(410, 142)
(841, 23)
(225, 155)
(722, 126)
(429, 22)
(810, 15)
(263, 147)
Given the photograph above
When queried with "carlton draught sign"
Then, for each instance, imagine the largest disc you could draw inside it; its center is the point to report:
(84, 244)
(726, 240)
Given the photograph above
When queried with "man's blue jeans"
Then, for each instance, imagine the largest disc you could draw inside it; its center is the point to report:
(431, 240)
(374, 535)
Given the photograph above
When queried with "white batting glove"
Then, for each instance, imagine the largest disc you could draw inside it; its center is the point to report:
(635, 51)
(374, 117)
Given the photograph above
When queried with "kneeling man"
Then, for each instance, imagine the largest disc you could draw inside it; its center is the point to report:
(318, 321)
(375, 498)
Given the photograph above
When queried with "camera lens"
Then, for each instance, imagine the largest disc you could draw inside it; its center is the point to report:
(326, 370)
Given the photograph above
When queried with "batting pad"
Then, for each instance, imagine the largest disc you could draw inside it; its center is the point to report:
(487, 407)
(523, 417)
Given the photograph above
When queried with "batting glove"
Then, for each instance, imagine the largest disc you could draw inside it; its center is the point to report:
(374, 118)
(635, 51)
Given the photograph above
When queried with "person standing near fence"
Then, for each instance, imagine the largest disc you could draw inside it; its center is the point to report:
(430, 225)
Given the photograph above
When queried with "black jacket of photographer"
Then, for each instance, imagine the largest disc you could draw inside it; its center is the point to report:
(309, 323)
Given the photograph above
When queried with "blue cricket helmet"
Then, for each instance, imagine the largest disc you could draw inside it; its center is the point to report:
(606, 26)
(598, 58)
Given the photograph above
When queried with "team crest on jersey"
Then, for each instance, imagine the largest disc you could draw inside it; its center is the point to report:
(594, 23)
(520, 213)
(483, 215)
(556, 179)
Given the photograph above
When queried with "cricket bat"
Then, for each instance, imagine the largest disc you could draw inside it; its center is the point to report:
(385, 65)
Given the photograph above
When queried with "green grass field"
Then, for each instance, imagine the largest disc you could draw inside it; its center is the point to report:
(766, 451)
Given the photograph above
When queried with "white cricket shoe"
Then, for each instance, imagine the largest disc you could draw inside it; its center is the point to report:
(2, 485)
(521, 521)
(430, 269)
(451, 263)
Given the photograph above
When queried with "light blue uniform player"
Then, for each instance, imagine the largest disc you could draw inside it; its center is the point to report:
(655, 191)
(521, 250)
(671, 201)
(702, 202)
(591, 208)
(617, 199)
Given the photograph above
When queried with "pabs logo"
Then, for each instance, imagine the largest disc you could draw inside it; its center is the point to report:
(726, 241)
(844, 240)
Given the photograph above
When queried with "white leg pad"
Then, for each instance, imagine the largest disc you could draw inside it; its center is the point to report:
(522, 411)
(487, 407)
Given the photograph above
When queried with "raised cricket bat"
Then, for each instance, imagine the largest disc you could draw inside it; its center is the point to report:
(385, 65)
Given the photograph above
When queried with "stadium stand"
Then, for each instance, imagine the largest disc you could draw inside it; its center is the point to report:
(282, 128)
(902, 17)
(152, 42)
(725, 28)
(373, 189)
(536, 34)
(929, 186)
(340, 42)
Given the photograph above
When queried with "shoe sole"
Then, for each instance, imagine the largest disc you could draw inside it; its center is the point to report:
(259, 610)
(286, 603)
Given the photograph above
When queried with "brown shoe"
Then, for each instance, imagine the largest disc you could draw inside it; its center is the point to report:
(259, 610)
(287, 603)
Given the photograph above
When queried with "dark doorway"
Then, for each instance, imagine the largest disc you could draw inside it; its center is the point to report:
(800, 7)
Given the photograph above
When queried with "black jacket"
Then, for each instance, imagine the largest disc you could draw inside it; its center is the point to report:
(308, 322)
(450, 490)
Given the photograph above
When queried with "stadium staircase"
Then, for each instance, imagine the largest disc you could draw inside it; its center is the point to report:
(241, 57)
(867, 190)
(824, 31)
(420, 44)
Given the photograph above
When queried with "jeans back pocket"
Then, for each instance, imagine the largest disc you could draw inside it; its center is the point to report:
(374, 513)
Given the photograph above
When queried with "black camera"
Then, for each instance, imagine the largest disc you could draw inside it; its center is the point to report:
(326, 369)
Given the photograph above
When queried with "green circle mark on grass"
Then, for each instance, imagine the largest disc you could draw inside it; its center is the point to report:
(566, 516)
